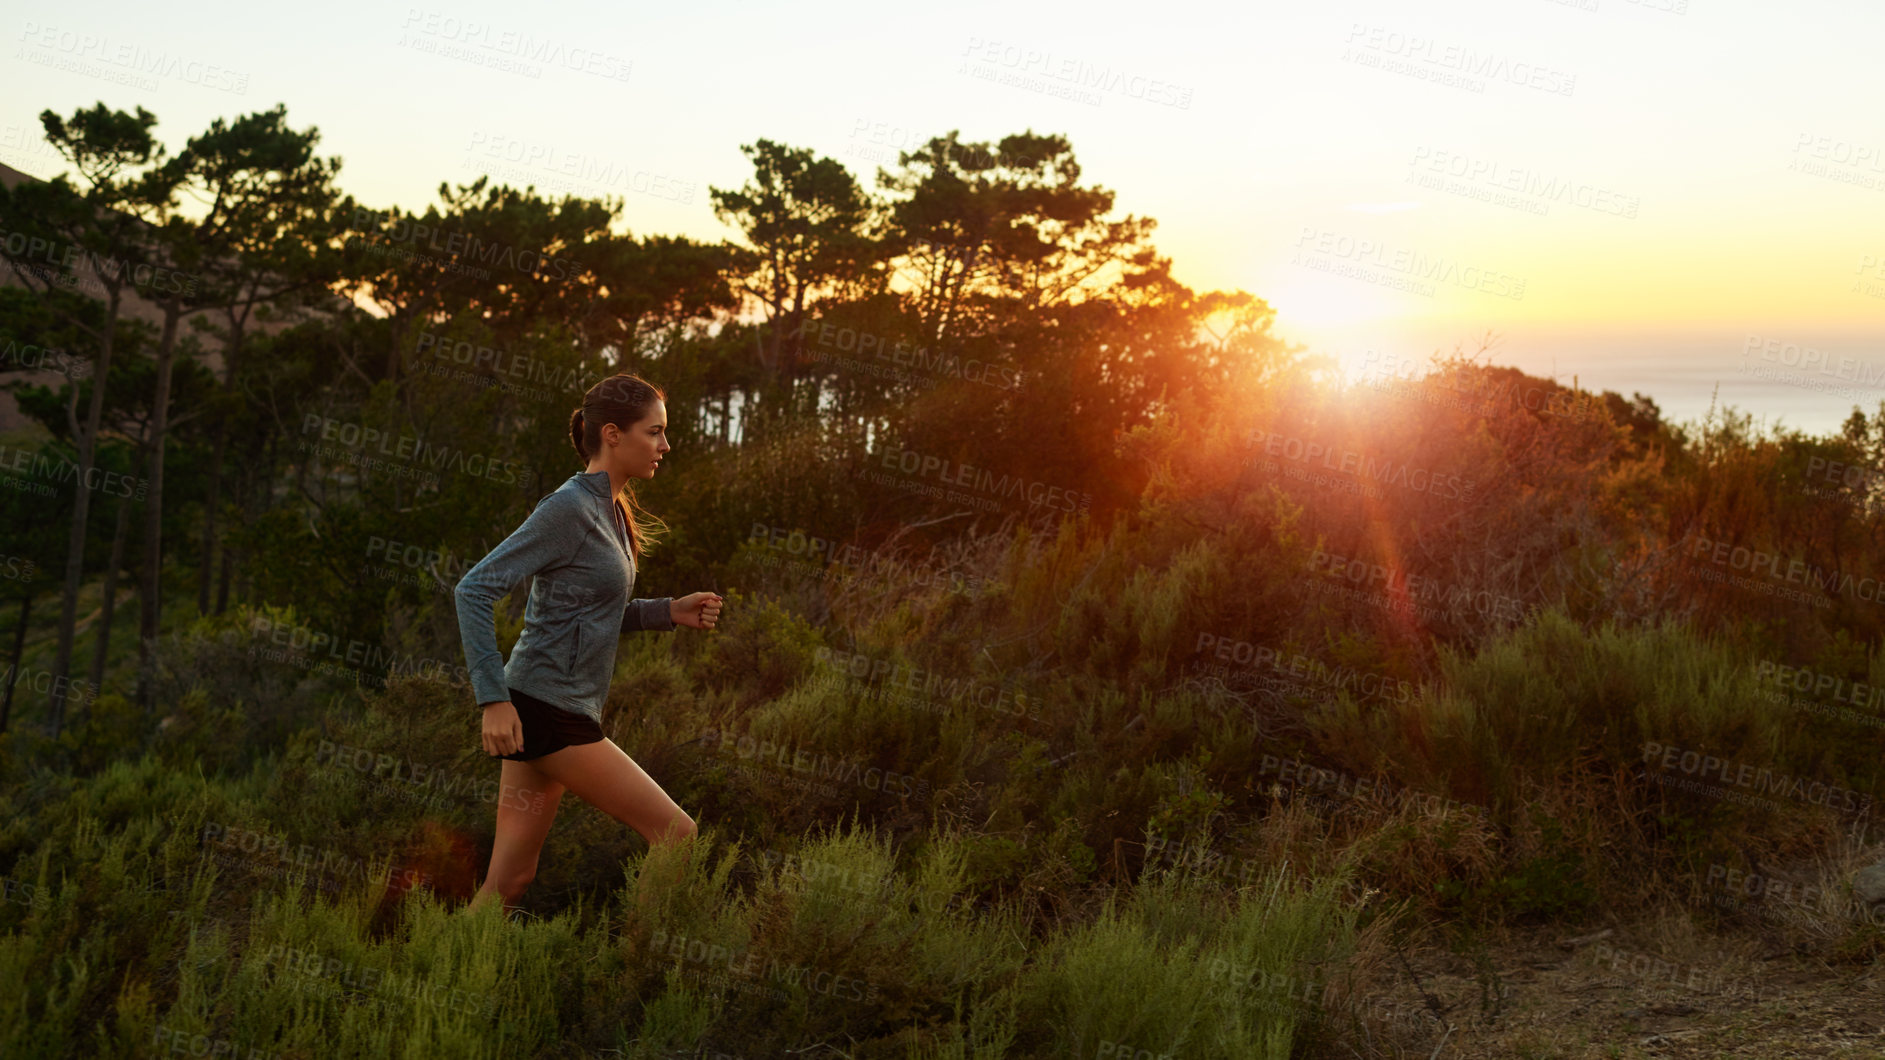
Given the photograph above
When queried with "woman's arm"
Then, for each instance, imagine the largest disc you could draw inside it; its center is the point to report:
(547, 537)
(648, 613)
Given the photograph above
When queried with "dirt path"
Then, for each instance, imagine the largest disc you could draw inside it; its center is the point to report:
(1657, 989)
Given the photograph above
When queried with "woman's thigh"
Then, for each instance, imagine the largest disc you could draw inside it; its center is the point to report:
(527, 799)
(602, 775)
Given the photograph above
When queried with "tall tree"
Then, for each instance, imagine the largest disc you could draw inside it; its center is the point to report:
(126, 419)
(811, 232)
(276, 205)
(646, 286)
(258, 182)
(985, 229)
(94, 235)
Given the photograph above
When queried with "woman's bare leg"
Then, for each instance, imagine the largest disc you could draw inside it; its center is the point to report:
(526, 805)
(603, 775)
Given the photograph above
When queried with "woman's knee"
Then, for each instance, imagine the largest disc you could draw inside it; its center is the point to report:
(512, 883)
(682, 827)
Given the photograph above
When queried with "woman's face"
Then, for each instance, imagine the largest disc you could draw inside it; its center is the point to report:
(637, 451)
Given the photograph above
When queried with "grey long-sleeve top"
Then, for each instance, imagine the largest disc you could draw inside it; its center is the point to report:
(576, 544)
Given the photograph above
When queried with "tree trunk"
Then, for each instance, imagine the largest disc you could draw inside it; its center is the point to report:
(81, 510)
(249, 487)
(232, 352)
(154, 508)
(111, 594)
(206, 568)
(222, 581)
(244, 487)
(19, 654)
(794, 349)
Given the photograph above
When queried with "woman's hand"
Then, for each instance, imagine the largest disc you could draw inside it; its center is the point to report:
(503, 732)
(699, 610)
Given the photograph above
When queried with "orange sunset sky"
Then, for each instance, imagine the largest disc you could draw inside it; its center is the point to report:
(1658, 195)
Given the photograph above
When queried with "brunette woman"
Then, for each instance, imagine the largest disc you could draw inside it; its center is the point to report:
(542, 711)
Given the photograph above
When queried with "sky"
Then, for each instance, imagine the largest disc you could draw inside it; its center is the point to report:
(1679, 197)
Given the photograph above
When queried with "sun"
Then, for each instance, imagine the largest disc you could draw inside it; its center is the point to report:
(1330, 315)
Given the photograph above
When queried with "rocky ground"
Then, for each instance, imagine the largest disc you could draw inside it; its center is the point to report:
(1657, 987)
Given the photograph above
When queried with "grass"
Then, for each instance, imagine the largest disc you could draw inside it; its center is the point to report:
(284, 868)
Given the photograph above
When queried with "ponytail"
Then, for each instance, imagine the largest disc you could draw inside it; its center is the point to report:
(576, 434)
(624, 400)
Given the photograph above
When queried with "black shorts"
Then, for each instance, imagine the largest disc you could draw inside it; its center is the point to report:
(548, 727)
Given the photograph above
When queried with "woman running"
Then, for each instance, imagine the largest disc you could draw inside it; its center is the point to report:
(543, 709)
